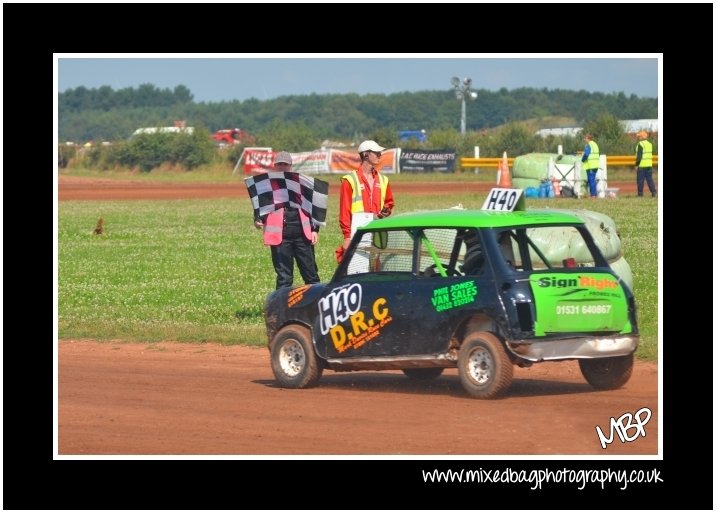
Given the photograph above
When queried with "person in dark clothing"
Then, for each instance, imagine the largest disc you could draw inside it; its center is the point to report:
(292, 236)
(474, 259)
(643, 165)
(590, 161)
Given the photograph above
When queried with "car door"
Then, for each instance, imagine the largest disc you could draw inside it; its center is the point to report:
(373, 306)
(395, 297)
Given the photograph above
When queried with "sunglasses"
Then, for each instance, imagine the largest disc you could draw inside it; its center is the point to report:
(376, 153)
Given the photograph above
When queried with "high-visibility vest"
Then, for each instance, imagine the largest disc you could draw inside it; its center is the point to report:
(646, 149)
(593, 159)
(273, 227)
(357, 198)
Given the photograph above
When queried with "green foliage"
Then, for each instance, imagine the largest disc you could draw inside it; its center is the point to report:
(105, 157)
(387, 138)
(105, 114)
(609, 135)
(443, 138)
(65, 154)
(300, 123)
(293, 137)
(515, 139)
(191, 150)
(148, 151)
(105, 98)
(549, 144)
(234, 152)
(197, 270)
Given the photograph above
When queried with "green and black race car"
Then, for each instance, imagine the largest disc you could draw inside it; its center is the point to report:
(480, 290)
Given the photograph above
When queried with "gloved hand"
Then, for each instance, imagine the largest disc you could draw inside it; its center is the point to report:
(384, 212)
(339, 254)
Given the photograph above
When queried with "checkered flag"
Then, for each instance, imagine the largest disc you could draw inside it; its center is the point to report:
(279, 189)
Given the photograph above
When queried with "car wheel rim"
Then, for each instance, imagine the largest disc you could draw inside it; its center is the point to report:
(292, 358)
(480, 366)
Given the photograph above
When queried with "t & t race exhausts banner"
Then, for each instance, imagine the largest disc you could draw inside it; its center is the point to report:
(427, 161)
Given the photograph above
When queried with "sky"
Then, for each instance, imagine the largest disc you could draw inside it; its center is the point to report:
(227, 77)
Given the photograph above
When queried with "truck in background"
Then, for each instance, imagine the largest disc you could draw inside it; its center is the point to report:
(233, 136)
(420, 135)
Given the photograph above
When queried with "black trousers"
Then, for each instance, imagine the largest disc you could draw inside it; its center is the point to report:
(294, 246)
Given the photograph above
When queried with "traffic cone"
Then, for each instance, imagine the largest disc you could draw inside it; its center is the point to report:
(505, 179)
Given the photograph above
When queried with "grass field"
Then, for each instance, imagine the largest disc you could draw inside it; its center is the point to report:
(196, 270)
(223, 174)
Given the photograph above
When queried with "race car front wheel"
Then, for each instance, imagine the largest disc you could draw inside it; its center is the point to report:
(484, 367)
(607, 373)
(293, 360)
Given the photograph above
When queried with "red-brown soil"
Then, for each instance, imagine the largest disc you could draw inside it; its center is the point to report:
(81, 188)
(175, 398)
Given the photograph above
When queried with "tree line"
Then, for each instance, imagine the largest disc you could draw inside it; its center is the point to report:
(188, 151)
(105, 114)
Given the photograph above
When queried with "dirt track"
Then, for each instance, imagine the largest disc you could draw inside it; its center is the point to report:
(80, 188)
(171, 398)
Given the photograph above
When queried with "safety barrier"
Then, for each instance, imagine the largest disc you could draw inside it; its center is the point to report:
(612, 160)
(627, 160)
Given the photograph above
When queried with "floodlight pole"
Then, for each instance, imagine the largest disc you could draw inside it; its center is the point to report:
(462, 118)
(462, 92)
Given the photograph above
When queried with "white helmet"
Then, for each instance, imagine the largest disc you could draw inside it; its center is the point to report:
(369, 146)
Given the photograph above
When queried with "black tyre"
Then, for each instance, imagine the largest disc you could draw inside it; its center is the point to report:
(607, 373)
(293, 360)
(423, 374)
(484, 367)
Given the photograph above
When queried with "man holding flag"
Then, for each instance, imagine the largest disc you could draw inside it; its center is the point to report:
(290, 208)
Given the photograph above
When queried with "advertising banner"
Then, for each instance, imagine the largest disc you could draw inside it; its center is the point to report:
(311, 162)
(258, 161)
(346, 161)
(427, 161)
(317, 161)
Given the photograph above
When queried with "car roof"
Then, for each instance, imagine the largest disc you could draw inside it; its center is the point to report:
(460, 218)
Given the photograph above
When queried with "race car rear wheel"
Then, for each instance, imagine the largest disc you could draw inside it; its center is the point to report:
(293, 360)
(484, 367)
(607, 373)
(423, 374)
